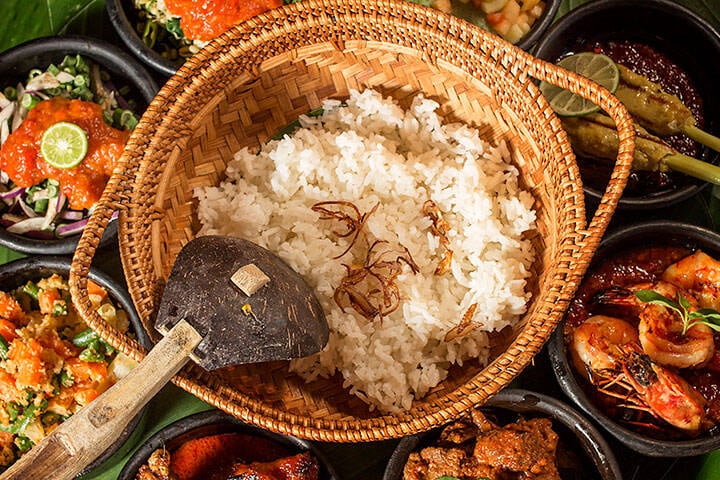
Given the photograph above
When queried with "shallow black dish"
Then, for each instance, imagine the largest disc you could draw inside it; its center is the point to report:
(215, 422)
(574, 430)
(18, 272)
(540, 26)
(18, 61)
(687, 39)
(658, 233)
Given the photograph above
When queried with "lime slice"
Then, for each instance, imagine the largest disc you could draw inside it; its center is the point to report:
(64, 145)
(595, 66)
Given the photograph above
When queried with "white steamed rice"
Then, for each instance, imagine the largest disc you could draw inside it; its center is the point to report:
(370, 152)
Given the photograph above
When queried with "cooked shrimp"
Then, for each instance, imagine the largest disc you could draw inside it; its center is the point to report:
(667, 395)
(699, 274)
(591, 343)
(660, 328)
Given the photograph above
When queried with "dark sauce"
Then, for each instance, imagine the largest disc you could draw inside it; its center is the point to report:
(658, 68)
(627, 267)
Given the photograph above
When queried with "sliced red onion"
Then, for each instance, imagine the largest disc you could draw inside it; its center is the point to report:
(10, 194)
(24, 226)
(41, 234)
(72, 215)
(60, 202)
(27, 209)
(71, 228)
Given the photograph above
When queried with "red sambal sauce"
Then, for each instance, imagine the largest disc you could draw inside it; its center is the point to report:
(21, 159)
(212, 457)
(206, 19)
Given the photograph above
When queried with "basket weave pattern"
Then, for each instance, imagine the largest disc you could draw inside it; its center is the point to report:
(262, 75)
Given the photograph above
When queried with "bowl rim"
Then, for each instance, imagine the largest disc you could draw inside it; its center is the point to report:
(133, 42)
(120, 295)
(667, 7)
(216, 417)
(523, 401)
(131, 39)
(566, 376)
(105, 54)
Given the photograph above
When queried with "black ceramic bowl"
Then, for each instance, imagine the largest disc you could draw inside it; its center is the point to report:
(15, 65)
(214, 422)
(19, 272)
(540, 26)
(576, 434)
(124, 16)
(688, 40)
(651, 233)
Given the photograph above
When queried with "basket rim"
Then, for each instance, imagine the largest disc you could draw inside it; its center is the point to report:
(576, 248)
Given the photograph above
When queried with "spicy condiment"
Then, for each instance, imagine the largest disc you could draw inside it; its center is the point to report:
(21, 159)
(661, 69)
(206, 19)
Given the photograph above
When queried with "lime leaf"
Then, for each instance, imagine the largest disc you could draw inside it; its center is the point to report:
(64, 145)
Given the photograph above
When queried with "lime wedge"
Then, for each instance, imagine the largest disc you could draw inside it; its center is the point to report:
(64, 145)
(595, 66)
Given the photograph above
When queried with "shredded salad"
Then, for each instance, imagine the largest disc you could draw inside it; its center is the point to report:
(42, 210)
(51, 363)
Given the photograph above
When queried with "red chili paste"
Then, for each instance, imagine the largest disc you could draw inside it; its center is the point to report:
(20, 156)
(212, 457)
(206, 19)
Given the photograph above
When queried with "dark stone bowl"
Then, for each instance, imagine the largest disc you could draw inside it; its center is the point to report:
(215, 422)
(18, 272)
(14, 66)
(687, 39)
(575, 431)
(651, 233)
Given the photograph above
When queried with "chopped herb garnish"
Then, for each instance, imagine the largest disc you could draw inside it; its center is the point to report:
(704, 316)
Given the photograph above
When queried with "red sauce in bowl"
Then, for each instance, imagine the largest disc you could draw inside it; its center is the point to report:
(206, 19)
(20, 155)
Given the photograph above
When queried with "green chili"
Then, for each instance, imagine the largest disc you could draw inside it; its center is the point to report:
(66, 379)
(91, 355)
(41, 205)
(31, 289)
(53, 69)
(59, 308)
(4, 347)
(24, 443)
(10, 93)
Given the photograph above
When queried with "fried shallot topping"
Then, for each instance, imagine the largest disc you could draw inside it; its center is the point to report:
(371, 289)
(439, 228)
(352, 222)
(465, 326)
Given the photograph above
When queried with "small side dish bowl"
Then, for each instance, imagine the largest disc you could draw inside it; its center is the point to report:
(16, 63)
(674, 31)
(578, 438)
(215, 422)
(645, 235)
(19, 272)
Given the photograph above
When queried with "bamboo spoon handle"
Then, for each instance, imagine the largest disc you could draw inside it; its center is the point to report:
(87, 434)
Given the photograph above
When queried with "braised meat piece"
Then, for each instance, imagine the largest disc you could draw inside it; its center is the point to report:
(524, 450)
(298, 467)
(527, 446)
(157, 468)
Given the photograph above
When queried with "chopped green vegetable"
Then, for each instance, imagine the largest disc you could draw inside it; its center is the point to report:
(3, 348)
(10, 93)
(60, 308)
(91, 355)
(24, 443)
(31, 289)
(34, 73)
(29, 101)
(53, 69)
(13, 410)
(84, 338)
(66, 379)
(41, 206)
(173, 27)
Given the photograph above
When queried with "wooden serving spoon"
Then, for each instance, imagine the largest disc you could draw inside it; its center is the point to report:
(204, 317)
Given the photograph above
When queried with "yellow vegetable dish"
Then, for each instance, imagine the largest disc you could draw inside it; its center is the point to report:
(51, 363)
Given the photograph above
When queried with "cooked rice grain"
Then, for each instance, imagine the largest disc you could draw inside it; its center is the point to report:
(370, 151)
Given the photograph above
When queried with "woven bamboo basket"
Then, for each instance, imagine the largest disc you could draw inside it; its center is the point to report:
(261, 76)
